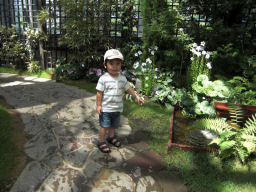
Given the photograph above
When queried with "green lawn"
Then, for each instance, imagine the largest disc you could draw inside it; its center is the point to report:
(8, 149)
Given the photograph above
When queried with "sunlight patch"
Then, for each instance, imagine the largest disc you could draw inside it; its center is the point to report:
(11, 84)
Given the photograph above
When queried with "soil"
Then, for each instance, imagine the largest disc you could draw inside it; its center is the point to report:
(19, 138)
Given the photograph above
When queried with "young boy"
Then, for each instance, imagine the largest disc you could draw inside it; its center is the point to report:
(110, 88)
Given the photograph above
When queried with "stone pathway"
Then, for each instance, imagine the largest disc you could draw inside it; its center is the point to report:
(62, 125)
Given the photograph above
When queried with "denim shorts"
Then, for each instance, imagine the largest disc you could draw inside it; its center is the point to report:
(109, 119)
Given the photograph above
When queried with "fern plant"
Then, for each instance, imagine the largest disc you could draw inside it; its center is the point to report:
(232, 141)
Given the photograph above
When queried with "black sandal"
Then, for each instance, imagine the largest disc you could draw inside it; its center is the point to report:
(102, 146)
(114, 141)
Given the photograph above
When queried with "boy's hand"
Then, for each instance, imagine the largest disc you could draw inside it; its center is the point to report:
(99, 110)
(140, 101)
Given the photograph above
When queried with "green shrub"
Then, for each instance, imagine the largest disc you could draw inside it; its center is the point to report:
(242, 90)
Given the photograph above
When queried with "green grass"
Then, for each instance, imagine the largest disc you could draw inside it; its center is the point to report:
(44, 74)
(8, 150)
(201, 171)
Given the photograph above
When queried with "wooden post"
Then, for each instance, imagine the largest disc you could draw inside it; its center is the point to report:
(40, 30)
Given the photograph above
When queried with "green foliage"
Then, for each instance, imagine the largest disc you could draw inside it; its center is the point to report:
(229, 22)
(130, 50)
(240, 142)
(214, 89)
(11, 48)
(231, 58)
(93, 74)
(33, 67)
(250, 67)
(66, 71)
(146, 70)
(7, 146)
(242, 90)
(160, 26)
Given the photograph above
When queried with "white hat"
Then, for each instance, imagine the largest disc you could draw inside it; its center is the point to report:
(113, 54)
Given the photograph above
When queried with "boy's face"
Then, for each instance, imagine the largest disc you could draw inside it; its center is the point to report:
(113, 66)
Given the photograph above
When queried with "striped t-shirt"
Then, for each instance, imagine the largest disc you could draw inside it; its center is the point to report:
(112, 89)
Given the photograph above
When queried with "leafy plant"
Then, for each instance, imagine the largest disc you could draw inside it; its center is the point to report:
(147, 71)
(12, 49)
(65, 71)
(242, 90)
(33, 67)
(232, 141)
(214, 89)
(93, 74)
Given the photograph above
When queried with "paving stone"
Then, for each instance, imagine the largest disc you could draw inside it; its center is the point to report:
(110, 180)
(147, 183)
(127, 153)
(68, 131)
(147, 159)
(31, 178)
(65, 179)
(54, 161)
(77, 158)
(42, 145)
(92, 169)
(109, 160)
(68, 144)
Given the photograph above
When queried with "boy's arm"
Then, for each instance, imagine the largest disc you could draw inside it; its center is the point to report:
(98, 101)
(133, 93)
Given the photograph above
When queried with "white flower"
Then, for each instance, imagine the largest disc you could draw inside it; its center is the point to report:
(155, 76)
(146, 78)
(199, 48)
(181, 29)
(207, 56)
(198, 54)
(202, 43)
(144, 70)
(156, 69)
(152, 52)
(149, 49)
(139, 52)
(156, 48)
(193, 50)
(144, 64)
(148, 60)
(146, 85)
(194, 45)
(136, 65)
(209, 65)
(136, 55)
(192, 58)
(204, 53)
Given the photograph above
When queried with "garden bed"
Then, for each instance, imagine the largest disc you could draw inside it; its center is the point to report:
(178, 134)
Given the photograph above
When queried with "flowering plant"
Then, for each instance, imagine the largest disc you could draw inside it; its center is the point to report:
(200, 63)
(94, 74)
(146, 70)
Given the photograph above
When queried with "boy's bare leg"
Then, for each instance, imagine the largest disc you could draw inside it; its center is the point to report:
(103, 132)
(111, 132)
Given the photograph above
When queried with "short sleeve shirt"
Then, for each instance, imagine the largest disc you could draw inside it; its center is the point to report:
(112, 89)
